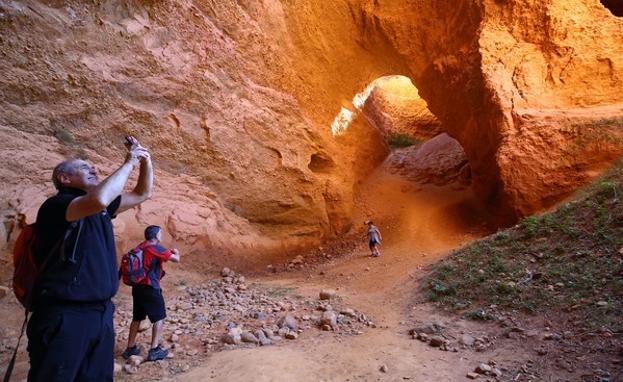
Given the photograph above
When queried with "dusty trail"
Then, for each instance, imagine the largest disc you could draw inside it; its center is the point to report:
(418, 226)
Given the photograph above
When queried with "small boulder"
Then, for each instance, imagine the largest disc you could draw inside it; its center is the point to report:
(248, 337)
(349, 313)
(329, 318)
(135, 360)
(436, 341)
(264, 341)
(130, 369)
(327, 294)
(467, 340)
(483, 368)
(288, 321)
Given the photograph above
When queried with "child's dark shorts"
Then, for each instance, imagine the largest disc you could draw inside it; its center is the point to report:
(147, 302)
(372, 243)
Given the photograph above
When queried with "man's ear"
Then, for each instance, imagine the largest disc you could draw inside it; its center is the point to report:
(63, 178)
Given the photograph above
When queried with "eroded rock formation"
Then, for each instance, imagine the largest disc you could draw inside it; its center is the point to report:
(440, 161)
(395, 107)
(236, 99)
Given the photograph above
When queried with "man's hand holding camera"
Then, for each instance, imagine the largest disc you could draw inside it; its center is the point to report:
(136, 152)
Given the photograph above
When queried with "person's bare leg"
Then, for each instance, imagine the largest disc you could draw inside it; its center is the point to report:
(134, 326)
(156, 332)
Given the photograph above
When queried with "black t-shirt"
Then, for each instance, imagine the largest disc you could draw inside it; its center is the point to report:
(84, 266)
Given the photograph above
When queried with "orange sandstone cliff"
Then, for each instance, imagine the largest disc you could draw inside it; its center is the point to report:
(236, 100)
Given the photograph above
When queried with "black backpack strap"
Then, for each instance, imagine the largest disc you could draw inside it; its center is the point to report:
(9, 369)
(60, 246)
(72, 259)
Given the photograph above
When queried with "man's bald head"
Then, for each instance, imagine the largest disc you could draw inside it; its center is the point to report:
(67, 167)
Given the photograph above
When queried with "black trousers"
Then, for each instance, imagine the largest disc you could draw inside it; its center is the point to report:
(71, 342)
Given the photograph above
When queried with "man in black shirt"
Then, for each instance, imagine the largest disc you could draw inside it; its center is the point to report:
(71, 332)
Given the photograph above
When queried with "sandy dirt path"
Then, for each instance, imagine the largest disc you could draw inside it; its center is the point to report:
(418, 227)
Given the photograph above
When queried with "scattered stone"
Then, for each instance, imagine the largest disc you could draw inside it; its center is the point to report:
(329, 318)
(298, 260)
(327, 294)
(174, 337)
(291, 335)
(430, 328)
(192, 352)
(135, 360)
(326, 328)
(602, 303)
(467, 340)
(248, 337)
(383, 369)
(436, 341)
(288, 321)
(130, 369)
(349, 312)
(483, 368)
(264, 341)
(117, 368)
(233, 337)
(226, 272)
(472, 375)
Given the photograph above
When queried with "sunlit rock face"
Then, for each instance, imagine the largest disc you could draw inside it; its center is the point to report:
(236, 99)
(440, 161)
(395, 107)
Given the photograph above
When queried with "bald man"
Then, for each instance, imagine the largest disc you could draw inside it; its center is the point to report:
(71, 332)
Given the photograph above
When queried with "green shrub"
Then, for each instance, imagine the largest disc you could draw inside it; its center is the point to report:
(399, 140)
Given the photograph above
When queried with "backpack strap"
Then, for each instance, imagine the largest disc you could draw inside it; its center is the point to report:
(9, 369)
(44, 265)
(48, 258)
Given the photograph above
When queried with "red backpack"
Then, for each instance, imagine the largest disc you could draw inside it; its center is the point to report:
(132, 270)
(25, 268)
(26, 271)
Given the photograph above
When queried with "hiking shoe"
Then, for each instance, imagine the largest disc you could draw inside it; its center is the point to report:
(157, 353)
(375, 255)
(129, 352)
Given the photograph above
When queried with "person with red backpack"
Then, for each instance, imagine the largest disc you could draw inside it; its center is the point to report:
(71, 332)
(147, 297)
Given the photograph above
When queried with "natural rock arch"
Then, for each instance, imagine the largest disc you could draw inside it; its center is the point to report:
(237, 97)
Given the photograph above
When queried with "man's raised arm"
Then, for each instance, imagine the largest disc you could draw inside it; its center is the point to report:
(143, 189)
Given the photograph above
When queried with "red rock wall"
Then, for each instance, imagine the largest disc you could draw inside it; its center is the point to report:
(236, 99)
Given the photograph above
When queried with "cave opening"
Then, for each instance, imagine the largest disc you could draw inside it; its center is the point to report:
(421, 186)
(614, 6)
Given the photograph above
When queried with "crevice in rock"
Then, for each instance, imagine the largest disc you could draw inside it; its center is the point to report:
(320, 163)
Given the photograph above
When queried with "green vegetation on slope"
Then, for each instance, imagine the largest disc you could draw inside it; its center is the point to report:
(399, 140)
(565, 260)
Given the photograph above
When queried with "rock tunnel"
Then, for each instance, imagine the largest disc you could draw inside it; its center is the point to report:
(237, 99)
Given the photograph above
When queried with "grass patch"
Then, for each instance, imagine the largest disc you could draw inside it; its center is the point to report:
(567, 259)
(399, 140)
(280, 292)
(64, 136)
